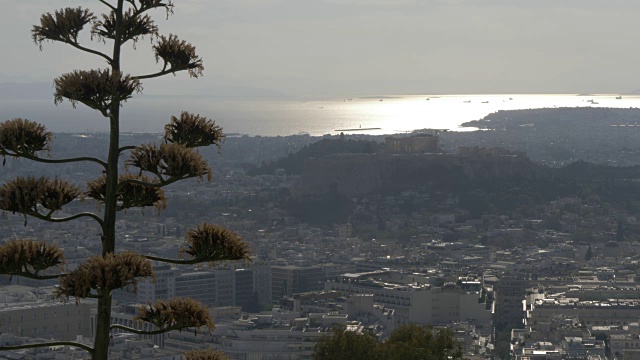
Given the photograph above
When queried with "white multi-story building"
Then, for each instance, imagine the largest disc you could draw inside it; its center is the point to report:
(215, 287)
(609, 312)
(149, 291)
(415, 302)
(31, 312)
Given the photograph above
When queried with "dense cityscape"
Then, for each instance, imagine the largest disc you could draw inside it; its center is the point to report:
(463, 182)
(461, 230)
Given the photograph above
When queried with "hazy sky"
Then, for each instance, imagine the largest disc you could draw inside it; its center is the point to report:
(358, 47)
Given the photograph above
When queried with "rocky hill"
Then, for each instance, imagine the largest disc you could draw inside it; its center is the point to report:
(362, 174)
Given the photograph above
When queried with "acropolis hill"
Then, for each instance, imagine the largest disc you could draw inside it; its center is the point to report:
(405, 164)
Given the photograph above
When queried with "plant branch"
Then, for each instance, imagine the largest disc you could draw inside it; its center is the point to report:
(47, 344)
(72, 217)
(39, 277)
(162, 182)
(59, 161)
(125, 148)
(108, 5)
(91, 51)
(142, 9)
(158, 74)
(195, 260)
(142, 332)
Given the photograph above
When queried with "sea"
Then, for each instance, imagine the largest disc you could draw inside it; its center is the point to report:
(373, 115)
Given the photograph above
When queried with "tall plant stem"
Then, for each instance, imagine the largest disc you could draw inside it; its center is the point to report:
(103, 316)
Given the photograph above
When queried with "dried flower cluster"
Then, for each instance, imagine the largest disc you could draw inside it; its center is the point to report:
(100, 275)
(179, 54)
(144, 5)
(214, 243)
(134, 27)
(97, 89)
(28, 257)
(176, 313)
(23, 137)
(130, 194)
(193, 131)
(208, 354)
(105, 90)
(63, 25)
(25, 194)
(169, 161)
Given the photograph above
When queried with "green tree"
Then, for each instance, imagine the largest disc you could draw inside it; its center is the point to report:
(148, 168)
(408, 342)
(341, 344)
(439, 282)
(416, 342)
(589, 254)
(583, 235)
(620, 231)
(503, 337)
(476, 202)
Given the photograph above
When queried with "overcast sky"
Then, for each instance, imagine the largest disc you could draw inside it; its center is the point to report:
(360, 47)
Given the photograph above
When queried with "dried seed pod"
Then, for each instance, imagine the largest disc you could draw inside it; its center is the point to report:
(130, 195)
(24, 195)
(29, 257)
(193, 131)
(23, 137)
(169, 161)
(176, 313)
(100, 275)
(134, 26)
(63, 25)
(179, 54)
(56, 193)
(98, 89)
(214, 243)
(145, 5)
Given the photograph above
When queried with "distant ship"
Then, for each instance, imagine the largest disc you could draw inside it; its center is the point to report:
(485, 102)
(619, 97)
(467, 101)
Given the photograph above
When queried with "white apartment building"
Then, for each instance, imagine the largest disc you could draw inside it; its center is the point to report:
(47, 319)
(212, 288)
(592, 313)
(415, 302)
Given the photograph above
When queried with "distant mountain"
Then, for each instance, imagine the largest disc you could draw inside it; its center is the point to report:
(26, 91)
